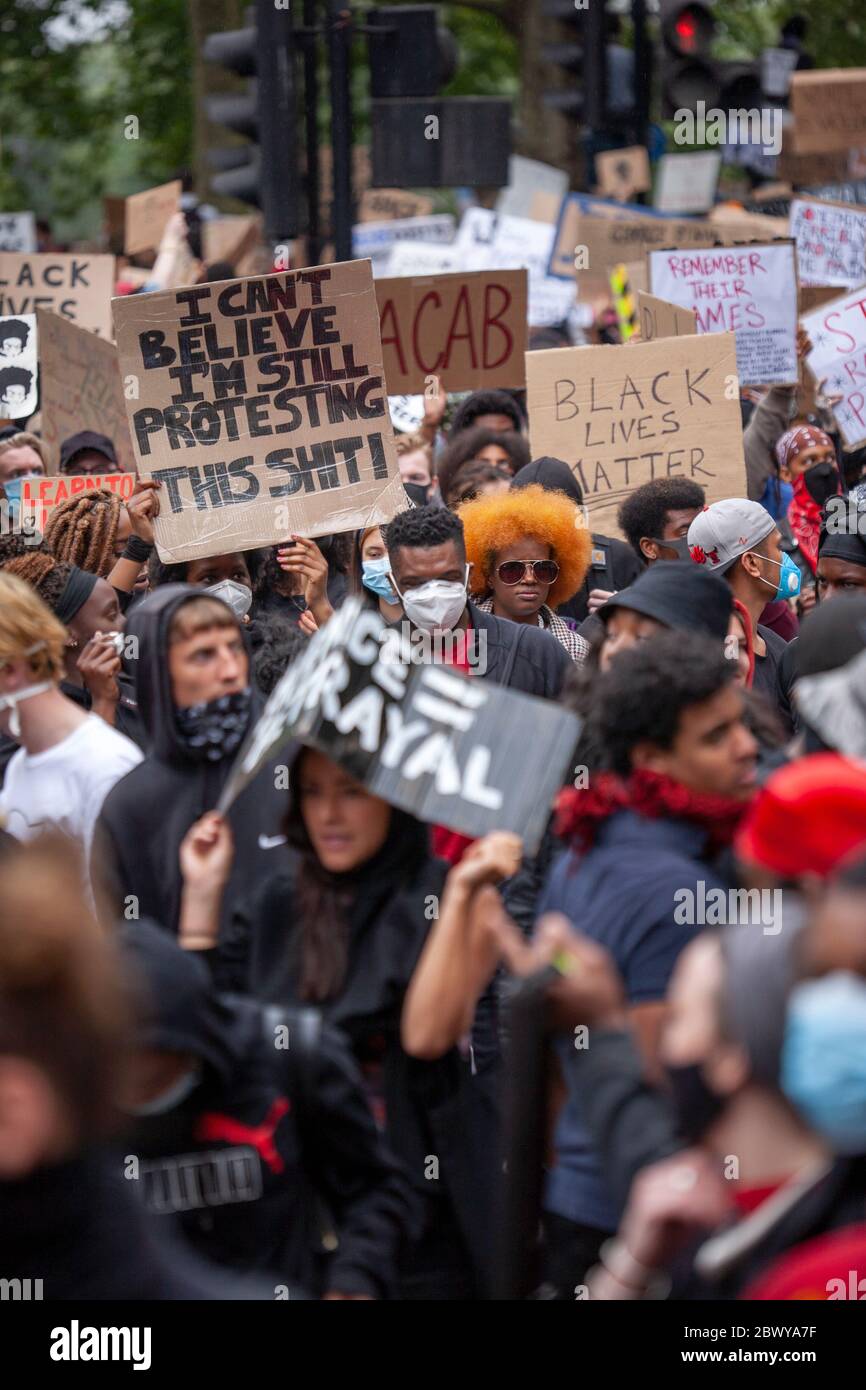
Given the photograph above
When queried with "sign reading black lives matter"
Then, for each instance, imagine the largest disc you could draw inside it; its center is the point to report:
(261, 408)
(426, 738)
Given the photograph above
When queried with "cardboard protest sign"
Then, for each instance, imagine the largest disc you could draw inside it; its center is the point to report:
(829, 109)
(19, 371)
(81, 389)
(659, 319)
(422, 258)
(838, 358)
(148, 214)
(732, 224)
(813, 296)
(566, 241)
(621, 416)
(17, 231)
(39, 496)
(374, 240)
(544, 208)
(469, 330)
(231, 239)
(261, 408)
(622, 173)
(488, 239)
(806, 169)
(77, 287)
(424, 737)
(604, 242)
(392, 204)
(831, 242)
(527, 179)
(687, 182)
(750, 291)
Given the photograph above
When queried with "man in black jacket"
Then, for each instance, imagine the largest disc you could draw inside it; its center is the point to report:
(429, 572)
(195, 698)
(253, 1132)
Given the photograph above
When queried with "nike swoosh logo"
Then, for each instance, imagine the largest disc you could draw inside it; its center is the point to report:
(271, 841)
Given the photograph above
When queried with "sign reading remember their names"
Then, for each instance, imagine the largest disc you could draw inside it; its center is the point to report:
(81, 389)
(621, 416)
(831, 242)
(750, 291)
(17, 231)
(261, 409)
(838, 334)
(19, 370)
(78, 288)
(659, 319)
(469, 330)
(424, 737)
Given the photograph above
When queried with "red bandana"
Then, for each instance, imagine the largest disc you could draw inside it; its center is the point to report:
(804, 514)
(579, 813)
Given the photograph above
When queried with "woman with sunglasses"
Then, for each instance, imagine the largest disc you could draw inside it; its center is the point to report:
(529, 551)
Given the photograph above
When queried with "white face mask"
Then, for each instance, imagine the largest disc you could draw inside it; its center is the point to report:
(11, 700)
(238, 597)
(435, 606)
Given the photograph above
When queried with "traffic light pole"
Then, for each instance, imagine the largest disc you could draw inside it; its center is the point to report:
(643, 56)
(311, 129)
(339, 22)
(276, 106)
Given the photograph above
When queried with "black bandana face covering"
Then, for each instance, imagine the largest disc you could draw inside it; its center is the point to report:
(215, 729)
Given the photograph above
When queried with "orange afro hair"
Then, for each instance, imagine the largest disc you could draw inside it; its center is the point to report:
(490, 524)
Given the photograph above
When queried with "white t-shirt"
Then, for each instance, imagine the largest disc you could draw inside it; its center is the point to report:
(64, 787)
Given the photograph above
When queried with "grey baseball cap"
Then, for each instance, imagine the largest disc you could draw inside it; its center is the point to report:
(725, 530)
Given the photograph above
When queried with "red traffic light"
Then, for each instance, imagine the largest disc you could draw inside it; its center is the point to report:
(688, 29)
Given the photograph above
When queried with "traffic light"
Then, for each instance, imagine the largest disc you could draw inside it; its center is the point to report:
(264, 171)
(688, 73)
(584, 58)
(420, 139)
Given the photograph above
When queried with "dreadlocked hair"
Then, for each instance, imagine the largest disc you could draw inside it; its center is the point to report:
(83, 530)
(15, 544)
(44, 572)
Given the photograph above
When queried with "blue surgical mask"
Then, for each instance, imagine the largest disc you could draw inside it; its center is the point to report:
(789, 578)
(375, 578)
(824, 1058)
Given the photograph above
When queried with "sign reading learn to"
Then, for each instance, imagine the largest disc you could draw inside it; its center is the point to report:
(750, 291)
(621, 416)
(261, 408)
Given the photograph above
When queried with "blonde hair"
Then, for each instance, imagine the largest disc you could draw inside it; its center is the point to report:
(408, 443)
(24, 441)
(29, 630)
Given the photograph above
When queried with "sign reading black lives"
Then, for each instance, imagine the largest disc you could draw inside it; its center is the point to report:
(430, 740)
(260, 406)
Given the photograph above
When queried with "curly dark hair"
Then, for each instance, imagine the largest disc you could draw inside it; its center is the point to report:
(423, 527)
(275, 644)
(48, 575)
(644, 693)
(487, 403)
(643, 513)
(469, 443)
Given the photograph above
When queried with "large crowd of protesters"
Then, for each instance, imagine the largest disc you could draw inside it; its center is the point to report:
(270, 1052)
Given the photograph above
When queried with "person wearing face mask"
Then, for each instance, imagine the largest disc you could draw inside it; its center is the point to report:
(340, 925)
(807, 459)
(316, 1200)
(197, 705)
(429, 571)
(371, 574)
(227, 577)
(740, 541)
(67, 760)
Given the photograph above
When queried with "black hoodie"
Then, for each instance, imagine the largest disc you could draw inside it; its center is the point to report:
(274, 1141)
(147, 813)
(445, 1108)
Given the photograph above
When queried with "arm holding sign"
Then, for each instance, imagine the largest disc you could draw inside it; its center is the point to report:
(206, 855)
(462, 950)
(141, 508)
(770, 419)
(304, 558)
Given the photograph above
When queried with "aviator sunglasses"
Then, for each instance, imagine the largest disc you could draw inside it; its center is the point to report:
(512, 571)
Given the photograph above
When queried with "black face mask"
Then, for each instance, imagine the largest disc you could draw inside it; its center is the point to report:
(822, 482)
(696, 1105)
(215, 729)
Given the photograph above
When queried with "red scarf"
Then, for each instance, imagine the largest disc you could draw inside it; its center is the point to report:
(580, 812)
(804, 515)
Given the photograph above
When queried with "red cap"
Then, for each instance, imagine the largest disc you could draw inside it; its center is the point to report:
(807, 818)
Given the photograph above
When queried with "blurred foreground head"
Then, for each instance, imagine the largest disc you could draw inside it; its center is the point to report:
(62, 1006)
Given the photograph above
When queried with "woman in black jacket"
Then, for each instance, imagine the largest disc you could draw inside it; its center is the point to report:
(342, 927)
